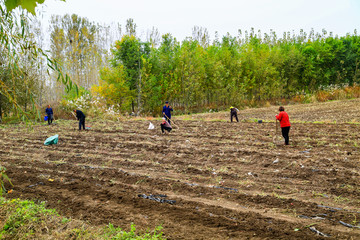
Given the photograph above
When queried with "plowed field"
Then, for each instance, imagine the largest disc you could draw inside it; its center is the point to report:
(229, 180)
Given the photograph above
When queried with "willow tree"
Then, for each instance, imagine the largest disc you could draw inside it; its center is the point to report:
(15, 43)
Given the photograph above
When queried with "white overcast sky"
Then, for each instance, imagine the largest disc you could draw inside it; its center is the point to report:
(179, 17)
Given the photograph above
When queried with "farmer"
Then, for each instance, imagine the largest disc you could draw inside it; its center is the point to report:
(50, 114)
(283, 117)
(165, 126)
(167, 111)
(81, 117)
(233, 113)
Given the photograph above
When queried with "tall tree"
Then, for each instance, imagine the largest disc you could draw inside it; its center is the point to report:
(128, 52)
(76, 43)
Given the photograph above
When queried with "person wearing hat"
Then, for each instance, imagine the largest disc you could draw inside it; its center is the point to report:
(165, 126)
(283, 117)
(233, 113)
(167, 111)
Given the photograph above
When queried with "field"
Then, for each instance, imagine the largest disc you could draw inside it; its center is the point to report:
(228, 180)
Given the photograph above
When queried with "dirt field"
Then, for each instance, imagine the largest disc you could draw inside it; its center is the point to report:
(229, 180)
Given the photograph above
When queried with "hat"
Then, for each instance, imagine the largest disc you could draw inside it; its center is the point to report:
(167, 102)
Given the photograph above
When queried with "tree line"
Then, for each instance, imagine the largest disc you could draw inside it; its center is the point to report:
(194, 74)
(133, 74)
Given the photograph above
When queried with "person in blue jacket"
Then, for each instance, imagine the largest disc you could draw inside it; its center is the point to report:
(167, 111)
(81, 117)
(50, 114)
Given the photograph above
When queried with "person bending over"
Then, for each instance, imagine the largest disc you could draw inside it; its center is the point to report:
(81, 117)
(233, 113)
(165, 126)
(283, 117)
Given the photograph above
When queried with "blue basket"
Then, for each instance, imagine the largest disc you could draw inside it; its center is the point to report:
(45, 118)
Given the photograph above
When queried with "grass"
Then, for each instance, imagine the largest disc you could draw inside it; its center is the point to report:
(24, 219)
(317, 194)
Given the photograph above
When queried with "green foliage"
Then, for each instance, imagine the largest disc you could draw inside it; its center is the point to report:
(3, 178)
(118, 234)
(130, 53)
(73, 94)
(194, 73)
(29, 5)
(114, 89)
(25, 219)
(20, 59)
(27, 212)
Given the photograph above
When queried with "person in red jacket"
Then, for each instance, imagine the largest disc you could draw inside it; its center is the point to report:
(165, 126)
(283, 117)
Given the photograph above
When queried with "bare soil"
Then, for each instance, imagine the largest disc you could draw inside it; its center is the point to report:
(229, 180)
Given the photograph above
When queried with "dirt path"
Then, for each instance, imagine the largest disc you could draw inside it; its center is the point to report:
(229, 181)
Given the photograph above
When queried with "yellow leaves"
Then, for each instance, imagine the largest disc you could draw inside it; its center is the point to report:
(112, 86)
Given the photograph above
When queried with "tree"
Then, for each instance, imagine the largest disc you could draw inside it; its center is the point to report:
(75, 43)
(16, 45)
(113, 87)
(128, 53)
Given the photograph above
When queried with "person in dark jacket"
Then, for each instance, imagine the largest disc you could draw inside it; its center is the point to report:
(167, 111)
(283, 117)
(165, 126)
(50, 114)
(233, 113)
(81, 117)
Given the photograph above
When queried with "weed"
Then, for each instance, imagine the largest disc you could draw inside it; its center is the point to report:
(3, 178)
(315, 195)
(118, 233)
(26, 213)
(224, 169)
(272, 145)
(218, 120)
(354, 222)
(140, 181)
(245, 182)
(274, 194)
(27, 220)
(341, 199)
(321, 143)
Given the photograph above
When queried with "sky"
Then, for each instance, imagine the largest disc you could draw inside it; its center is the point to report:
(225, 16)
